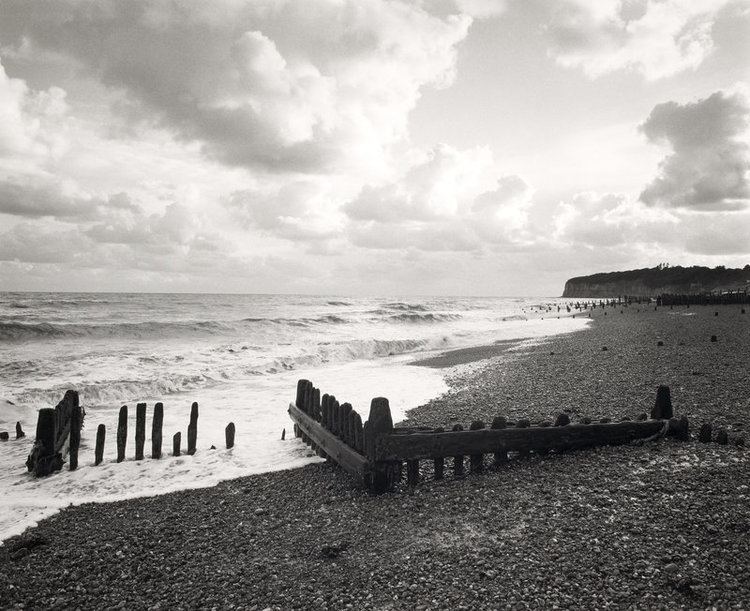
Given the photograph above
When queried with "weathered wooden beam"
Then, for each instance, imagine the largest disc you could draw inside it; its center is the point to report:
(459, 442)
(335, 448)
(176, 443)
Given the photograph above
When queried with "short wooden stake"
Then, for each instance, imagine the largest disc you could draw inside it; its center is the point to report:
(476, 461)
(562, 420)
(122, 432)
(193, 429)
(704, 436)
(721, 437)
(412, 472)
(140, 430)
(663, 406)
(714, 339)
(379, 423)
(524, 423)
(176, 442)
(439, 463)
(19, 431)
(501, 456)
(156, 430)
(458, 459)
(101, 433)
(229, 435)
(283, 434)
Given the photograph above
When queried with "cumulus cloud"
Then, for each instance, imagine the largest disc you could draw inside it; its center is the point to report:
(278, 85)
(657, 38)
(297, 211)
(709, 168)
(31, 122)
(449, 200)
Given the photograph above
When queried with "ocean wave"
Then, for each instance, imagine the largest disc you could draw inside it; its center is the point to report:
(338, 303)
(113, 391)
(14, 331)
(106, 392)
(429, 317)
(409, 307)
(514, 317)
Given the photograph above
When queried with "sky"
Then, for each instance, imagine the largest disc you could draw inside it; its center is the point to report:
(369, 147)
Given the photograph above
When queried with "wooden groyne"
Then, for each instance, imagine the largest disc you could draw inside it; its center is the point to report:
(375, 452)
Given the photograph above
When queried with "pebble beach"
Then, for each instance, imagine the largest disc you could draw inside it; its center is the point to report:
(662, 524)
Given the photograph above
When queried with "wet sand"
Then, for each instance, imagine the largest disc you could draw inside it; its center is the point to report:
(660, 525)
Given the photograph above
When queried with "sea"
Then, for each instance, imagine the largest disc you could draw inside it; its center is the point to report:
(239, 357)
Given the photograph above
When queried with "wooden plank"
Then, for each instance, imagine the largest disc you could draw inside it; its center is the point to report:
(335, 448)
(435, 445)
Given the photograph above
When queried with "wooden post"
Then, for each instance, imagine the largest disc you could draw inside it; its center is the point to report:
(75, 435)
(458, 459)
(439, 463)
(722, 438)
(283, 434)
(412, 472)
(501, 456)
(346, 409)
(300, 400)
(229, 435)
(19, 431)
(122, 433)
(176, 441)
(316, 404)
(101, 432)
(324, 415)
(379, 422)
(358, 437)
(42, 458)
(476, 461)
(562, 420)
(156, 430)
(140, 429)
(663, 406)
(193, 429)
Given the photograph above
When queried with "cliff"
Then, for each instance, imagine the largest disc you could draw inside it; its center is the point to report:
(650, 282)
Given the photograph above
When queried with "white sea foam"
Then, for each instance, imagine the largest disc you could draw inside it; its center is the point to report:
(240, 364)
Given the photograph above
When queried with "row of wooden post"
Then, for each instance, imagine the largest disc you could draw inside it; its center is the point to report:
(156, 434)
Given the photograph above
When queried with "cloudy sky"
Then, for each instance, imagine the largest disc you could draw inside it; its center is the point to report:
(471, 147)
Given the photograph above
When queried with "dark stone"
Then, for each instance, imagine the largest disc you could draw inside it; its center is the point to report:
(660, 343)
(4, 436)
(714, 339)
(562, 420)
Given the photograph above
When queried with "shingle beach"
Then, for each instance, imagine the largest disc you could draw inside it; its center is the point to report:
(663, 524)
